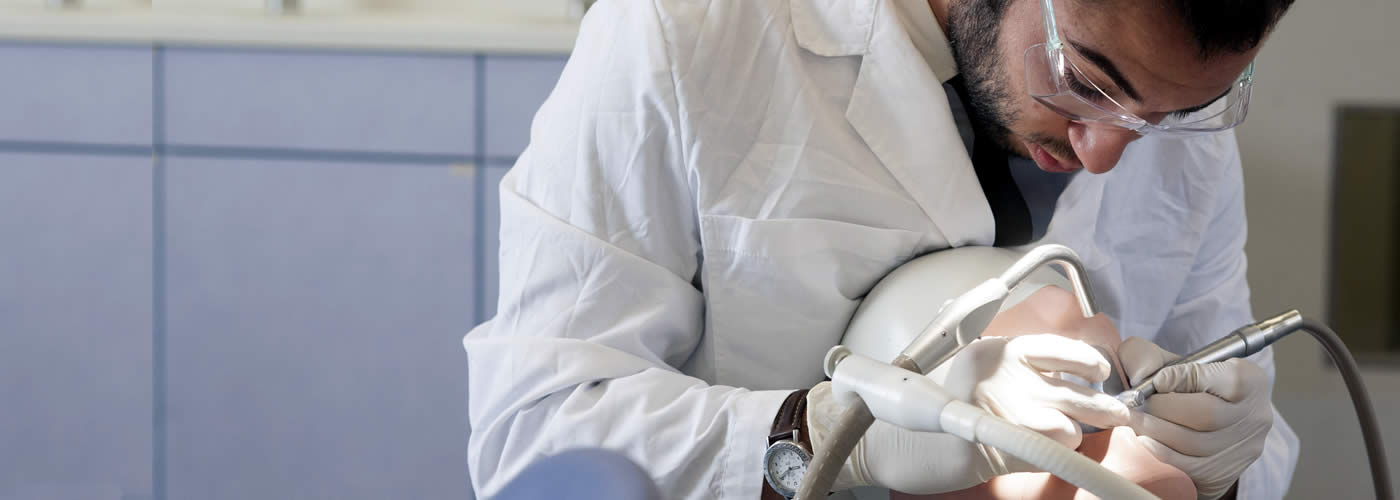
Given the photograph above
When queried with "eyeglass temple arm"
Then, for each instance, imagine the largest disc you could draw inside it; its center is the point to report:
(1052, 34)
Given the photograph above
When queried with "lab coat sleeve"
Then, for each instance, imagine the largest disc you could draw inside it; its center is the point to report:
(598, 302)
(1215, 301)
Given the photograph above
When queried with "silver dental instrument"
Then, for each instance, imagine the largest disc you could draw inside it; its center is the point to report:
(1237, 344)
(1255, 337)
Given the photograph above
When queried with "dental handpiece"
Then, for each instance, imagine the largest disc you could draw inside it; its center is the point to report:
(1238, 344)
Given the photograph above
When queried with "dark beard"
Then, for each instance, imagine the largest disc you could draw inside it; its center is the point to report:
(974, 28)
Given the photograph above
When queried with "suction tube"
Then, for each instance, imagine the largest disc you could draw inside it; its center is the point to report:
(919, 404)
(1060, 256)
(1052, 457)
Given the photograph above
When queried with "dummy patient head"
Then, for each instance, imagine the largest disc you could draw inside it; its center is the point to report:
(1054, 310)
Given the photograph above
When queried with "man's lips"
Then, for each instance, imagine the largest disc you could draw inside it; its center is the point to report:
(1048, 162)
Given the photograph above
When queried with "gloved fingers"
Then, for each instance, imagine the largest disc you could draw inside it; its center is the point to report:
(1052, 424)
(1053, 353)
(1168, 455)
(917, 462)
(1233, 380)
(1198, 411)
(1141, 358)
(1181, 439)
(1083, 404)
(1213, 477)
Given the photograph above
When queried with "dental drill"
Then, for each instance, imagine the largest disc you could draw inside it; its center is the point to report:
(1255, 337)
(1237, 344)
(870, 388)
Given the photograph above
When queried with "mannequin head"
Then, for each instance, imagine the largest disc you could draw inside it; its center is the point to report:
(1054, 310)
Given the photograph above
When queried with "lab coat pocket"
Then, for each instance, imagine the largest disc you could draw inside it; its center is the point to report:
(779, 292)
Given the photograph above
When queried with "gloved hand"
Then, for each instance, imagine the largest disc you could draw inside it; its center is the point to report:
(1007, 376)
(1209, 420)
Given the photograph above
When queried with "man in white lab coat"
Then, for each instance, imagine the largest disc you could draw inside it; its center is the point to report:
(714, 185)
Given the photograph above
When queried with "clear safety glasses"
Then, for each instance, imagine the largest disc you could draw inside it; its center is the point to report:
(1055, 80)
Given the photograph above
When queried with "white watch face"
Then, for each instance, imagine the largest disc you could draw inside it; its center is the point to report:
(787, 464)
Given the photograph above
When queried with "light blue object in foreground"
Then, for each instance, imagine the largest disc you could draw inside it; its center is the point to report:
(583, 474)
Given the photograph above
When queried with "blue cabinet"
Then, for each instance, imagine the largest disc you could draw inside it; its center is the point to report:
(315, 324)
(321, 101)
(514, 89)
(516, 86)
(491, 237)
(273, 307)
(75, 94)
(75, 327)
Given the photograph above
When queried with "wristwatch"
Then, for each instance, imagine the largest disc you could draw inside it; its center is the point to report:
(789, 449)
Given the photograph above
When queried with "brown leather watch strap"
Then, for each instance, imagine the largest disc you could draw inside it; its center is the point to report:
(789, 423)
(791, 417)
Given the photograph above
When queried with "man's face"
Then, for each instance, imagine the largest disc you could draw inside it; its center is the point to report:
(1135, 51)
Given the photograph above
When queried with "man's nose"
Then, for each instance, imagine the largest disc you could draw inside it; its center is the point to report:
(1099, 147)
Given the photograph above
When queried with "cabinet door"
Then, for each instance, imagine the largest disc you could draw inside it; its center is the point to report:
(75, 327)
(320, 101)
(515, 87)
(491, 237)
(75, 94)
(314, 340)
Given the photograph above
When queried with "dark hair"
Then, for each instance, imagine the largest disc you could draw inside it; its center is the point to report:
(1223, 26)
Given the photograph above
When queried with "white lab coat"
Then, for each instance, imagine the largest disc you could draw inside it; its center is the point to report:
(713, 186)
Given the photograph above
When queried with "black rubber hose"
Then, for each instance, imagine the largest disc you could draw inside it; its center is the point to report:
(1365, 412)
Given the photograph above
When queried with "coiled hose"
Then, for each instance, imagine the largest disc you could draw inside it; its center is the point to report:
(1361, 400)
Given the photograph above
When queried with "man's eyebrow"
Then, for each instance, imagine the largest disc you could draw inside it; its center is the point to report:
(1098, 59)
(1193, 109)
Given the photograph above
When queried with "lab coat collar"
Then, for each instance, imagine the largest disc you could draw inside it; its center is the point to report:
(836, 28)
(927, 36)
(833, 28)
(899, 108)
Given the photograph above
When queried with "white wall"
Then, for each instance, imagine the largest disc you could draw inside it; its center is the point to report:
(1322, 54)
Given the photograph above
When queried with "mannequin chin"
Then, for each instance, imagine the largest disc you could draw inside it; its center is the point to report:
(1052, 309)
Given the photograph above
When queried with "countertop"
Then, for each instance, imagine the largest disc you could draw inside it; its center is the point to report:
(418, 31)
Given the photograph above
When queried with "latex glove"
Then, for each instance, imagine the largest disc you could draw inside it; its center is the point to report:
(1011, 377)
(1005, 376)
(1209, 420)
